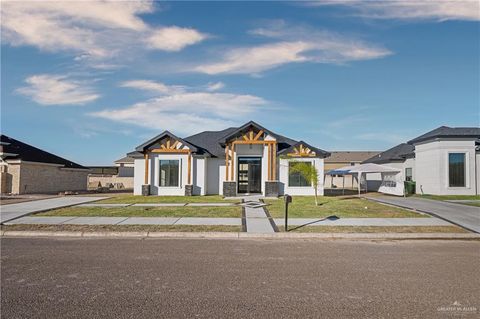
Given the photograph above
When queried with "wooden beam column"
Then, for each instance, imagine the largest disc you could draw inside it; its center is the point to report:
(189, 168)
(226, 162)
(274, 159)
(146, 169)
(269, 162)
(232, 177)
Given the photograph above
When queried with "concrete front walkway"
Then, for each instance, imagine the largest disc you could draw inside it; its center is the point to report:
(12, 211)
(256, 219)
(465, 216)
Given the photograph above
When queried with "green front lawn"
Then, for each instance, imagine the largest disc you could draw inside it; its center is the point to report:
(132, 199)
(450, 197)
(182, 211)
(304, 207)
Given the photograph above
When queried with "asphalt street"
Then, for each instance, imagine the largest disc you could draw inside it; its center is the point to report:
(206, 278)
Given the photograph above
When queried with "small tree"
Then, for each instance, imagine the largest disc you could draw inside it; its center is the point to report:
(309, 172)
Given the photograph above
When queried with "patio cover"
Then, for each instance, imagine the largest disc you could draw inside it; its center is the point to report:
(368, 168)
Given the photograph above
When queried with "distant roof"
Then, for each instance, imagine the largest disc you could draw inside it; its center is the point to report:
(350, 156)
(397, 153)
(25, 152)
(445, 131)
(210, 142)
(125, 160)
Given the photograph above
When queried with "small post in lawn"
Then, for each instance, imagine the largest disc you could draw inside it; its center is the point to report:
(288, 200)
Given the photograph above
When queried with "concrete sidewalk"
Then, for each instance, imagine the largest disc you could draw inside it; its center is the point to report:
(72, 220)
(12, 211)
(464, 216)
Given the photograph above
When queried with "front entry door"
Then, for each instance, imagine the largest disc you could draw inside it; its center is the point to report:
(249, 175)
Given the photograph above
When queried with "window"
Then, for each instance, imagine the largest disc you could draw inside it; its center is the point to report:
(456, 169)
(408, 174)
(296, 179)
(169, 173)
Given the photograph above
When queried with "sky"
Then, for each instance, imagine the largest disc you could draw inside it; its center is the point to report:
(91, 80)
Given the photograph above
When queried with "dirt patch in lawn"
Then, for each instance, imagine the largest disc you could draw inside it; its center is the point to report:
(376, 229)
(123, 228)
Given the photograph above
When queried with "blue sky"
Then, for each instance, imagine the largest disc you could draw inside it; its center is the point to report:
(341, 75)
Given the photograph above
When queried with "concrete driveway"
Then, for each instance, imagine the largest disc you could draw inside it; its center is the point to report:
(464, 216)
(13, 211)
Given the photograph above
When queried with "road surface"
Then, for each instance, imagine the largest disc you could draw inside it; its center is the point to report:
(206, 278)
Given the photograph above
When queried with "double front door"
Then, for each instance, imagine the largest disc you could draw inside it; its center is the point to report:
(249, 175)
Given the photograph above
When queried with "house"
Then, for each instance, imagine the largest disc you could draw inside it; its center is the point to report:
(26, 169)
(444, 161)
(249, 159)
(341, 159)
(125, 166)
(119, 176)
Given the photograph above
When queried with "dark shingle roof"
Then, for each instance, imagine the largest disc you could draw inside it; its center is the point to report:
(25, 152)
(445, 131)
(397, 153)
(210, 142)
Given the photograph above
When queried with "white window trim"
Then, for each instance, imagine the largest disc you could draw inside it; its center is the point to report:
(312, 162)
(180, 165)
(467, 170)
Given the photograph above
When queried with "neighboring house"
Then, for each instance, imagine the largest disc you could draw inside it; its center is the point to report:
(119, 176)
(26, 169)
(125, 166)
(239, 160)
(444, 161)
(342, 159)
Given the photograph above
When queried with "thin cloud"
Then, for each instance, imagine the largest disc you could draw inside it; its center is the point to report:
(215, 86)
(48, 89)
(441, 10)
(92, 30)
(293, 45)
(185, 112)
(153, 86)
(174, 38)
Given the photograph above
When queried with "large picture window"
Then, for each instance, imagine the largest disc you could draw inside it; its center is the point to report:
(456, 169)
(169, 173)
(295, 179)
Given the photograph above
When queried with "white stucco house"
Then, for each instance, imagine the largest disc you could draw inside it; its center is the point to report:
(249, 159)
(444, 161)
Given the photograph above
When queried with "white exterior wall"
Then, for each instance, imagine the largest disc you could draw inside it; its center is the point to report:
(139, 176)
(477, 169)
(309, 190)
(199, 167)
(431, 167)
(215, 175)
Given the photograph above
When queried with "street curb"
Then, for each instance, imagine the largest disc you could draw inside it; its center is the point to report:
(235, 235)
